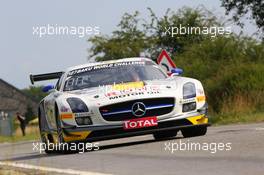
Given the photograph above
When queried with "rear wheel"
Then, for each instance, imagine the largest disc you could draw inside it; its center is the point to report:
(164, 134)
(195, 131)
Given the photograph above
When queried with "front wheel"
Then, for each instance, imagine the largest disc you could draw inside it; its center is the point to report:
(46, 143)
(193, 132)
(61, 145)
(164, 134)
(45, 139)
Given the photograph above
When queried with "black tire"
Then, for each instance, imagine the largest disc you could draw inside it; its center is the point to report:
(43, 137)
(62, 147)
(193, 132)
(45, 141)
(164, 134)
(60, 140)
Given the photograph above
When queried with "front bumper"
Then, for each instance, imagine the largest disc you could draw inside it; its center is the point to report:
(90, 134)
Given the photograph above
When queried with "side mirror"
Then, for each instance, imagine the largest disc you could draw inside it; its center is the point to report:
(176, 71)
(47, 88)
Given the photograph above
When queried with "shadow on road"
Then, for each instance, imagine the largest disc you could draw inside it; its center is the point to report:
(30, 156)
(104, 147)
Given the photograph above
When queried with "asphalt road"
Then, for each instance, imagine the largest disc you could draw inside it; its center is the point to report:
(241, 151)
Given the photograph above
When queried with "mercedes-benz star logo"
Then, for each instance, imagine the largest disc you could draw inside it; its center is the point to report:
(138, 109)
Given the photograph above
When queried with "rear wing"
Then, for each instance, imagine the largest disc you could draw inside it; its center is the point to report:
(42, 77)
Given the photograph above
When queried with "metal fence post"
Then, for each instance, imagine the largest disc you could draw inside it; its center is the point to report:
(6, 124)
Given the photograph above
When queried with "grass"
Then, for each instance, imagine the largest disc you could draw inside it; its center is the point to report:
(237, 118)
(32, 133)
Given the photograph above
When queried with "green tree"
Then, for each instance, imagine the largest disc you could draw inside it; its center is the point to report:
(230, 67)
(35, 92)
(128, 41)
(240, 8)
(231, 70)
(29, 114)
(185, 17)
(136, 35)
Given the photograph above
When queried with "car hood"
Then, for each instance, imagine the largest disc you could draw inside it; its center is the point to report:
(146, 89)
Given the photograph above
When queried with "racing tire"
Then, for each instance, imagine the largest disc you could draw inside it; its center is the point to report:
(46, 143)
(194, 132)
(43, 138)
(160, 135)
(60, 140)
(62, 146)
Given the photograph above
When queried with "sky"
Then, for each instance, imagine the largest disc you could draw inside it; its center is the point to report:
(23, 52)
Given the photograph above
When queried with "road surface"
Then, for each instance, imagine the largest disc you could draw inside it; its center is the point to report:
(240, 150)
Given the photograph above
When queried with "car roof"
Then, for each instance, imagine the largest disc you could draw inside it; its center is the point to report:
(108, 62)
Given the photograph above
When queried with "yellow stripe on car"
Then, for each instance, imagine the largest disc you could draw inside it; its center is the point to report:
(201, 119)
(200, 98)
(76, 136)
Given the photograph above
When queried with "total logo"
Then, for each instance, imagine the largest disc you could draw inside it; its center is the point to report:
(140, 123)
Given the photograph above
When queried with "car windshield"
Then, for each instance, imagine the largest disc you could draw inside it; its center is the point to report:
(114, 73)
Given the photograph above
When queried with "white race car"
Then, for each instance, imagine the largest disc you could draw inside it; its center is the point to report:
(120, 98)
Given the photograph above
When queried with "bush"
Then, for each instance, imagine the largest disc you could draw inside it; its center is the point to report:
(231, 69)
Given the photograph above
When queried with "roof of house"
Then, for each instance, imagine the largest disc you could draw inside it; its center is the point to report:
(17, 90)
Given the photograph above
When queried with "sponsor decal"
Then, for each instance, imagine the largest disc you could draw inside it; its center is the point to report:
(189, 100)
(133, 94)
(140, 123)
(128, 86)
(104, 66)
(83, 114)
(126, 95)
(144, 90)
(111, 94)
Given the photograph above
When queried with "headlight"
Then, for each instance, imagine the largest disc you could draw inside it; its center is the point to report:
(189, 90)
(77, 105)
